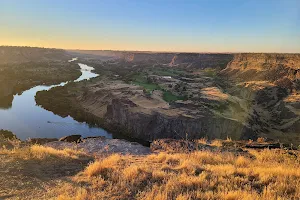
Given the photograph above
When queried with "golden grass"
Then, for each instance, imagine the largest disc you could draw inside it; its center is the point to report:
(81, 194)
(242, 161)
(217, 143)
(199, 175)
(103, 166)
(261, 140)
(214, 93)
(202, 141)
(30, 172)
(42, 152)
(265, 174)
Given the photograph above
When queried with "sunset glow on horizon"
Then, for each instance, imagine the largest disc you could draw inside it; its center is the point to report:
(179, 26)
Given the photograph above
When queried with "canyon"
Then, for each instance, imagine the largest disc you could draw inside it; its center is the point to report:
(150, 95)
(154, 95)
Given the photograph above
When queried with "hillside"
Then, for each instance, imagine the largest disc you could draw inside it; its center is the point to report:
(24, 67)
(11, 54)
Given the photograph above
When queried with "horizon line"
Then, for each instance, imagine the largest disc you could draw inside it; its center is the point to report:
(144, 51)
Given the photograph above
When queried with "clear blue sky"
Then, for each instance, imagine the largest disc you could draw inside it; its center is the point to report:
(157, 25)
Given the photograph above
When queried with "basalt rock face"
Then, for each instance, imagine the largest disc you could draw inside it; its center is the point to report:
(194, 60)
(173, 123)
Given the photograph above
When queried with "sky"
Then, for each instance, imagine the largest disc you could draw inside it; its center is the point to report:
(153, 25)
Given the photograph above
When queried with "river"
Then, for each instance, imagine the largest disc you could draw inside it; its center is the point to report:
(28, 120)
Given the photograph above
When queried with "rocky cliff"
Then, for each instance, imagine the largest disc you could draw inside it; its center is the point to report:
(179, 123)
(270, 83)
(281, 69)
(186, 60)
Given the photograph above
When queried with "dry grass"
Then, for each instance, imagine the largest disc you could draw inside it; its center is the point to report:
(202, 141)
(101, 167)
(216, 143)
(42, 153)
(266, 174)
(261, 140)
(199, 175)
(29, 172)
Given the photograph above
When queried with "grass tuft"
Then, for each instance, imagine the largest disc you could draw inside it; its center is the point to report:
(103, 166)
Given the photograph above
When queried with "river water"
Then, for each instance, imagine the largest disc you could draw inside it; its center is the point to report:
(28, 120)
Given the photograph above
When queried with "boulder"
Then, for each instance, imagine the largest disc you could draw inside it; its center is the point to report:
(71, 138)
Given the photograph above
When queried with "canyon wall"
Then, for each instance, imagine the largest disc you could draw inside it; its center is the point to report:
(191, 60)
(267, 83)
(187, 60)
(151, 124)
(280, 69)
(271, 84)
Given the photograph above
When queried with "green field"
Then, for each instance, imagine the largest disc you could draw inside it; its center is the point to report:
(140, 79)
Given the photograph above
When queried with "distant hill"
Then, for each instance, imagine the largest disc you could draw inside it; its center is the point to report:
(11, 54)
(190, 60)
(94, 54)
